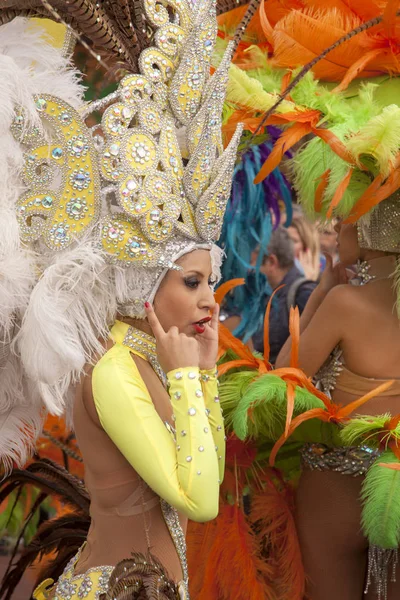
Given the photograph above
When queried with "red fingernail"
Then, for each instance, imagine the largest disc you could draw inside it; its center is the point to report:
(147, 304)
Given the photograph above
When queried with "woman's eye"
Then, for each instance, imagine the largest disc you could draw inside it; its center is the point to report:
(192, 283)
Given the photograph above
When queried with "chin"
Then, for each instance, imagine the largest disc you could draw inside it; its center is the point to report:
(348, 259)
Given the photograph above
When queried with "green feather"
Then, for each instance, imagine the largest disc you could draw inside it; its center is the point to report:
(232, 388)
(366, 430)
(381, 497)
(266, 396)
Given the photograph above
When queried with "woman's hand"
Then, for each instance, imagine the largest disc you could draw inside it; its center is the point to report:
(332, 275)
(310, 264)
(208, 342)
(174, 350)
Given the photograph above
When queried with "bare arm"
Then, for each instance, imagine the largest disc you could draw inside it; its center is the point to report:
(323, 332)
(321, 321)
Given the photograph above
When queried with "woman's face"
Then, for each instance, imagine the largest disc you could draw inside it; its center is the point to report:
(185, 297)
(296, 239)
(348, 248)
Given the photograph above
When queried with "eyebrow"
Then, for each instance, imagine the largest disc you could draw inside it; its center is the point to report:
(194, 272)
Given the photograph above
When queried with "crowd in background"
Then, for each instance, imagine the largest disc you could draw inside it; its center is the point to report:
(293, 262)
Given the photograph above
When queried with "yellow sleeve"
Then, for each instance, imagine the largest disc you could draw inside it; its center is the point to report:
(185, 472)
(209, 384)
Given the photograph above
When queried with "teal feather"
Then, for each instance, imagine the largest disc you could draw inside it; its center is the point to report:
(381, 497)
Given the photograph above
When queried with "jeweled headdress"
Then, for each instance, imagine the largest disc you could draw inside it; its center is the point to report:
(106, 211)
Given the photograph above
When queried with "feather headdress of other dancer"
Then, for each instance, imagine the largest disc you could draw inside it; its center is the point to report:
(330, 81)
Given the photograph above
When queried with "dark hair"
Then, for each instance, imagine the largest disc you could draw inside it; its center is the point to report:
(282, 247)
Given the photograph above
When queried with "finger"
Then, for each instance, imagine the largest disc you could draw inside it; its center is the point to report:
(154, 323)
(329, 261)
(215, 318)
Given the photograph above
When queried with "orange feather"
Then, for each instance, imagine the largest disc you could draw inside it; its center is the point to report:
(336, 145)
(227, 287)
(320, 191)
(290, 393)
(338, 195)
(199, 540)
(267, 347)
(302, 35)
(357, 68)
(273, 11)
(389, 17)
(288, 138)
(272, 515)
(332, 413)
(234, 561)
(375, 194)
(294, 330)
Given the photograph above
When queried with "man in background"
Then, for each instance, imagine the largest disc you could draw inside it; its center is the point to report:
(279, 268)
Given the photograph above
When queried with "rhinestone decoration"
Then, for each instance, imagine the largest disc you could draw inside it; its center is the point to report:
(51, 215)
(177, 395)
(362, 270)
(325, 379)
(188, 459)
(191, 412)
(192, 375)
(154, 206)
(68, 583)
(172, 521)
(85, 587)
(145, 344)
(178, 375)
(347, 460)
(379, 228)
(201, 448)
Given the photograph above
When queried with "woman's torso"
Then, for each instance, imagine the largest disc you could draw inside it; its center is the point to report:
(126, 515)
(370, 348)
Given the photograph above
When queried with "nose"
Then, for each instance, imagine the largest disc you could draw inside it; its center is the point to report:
(207, 301)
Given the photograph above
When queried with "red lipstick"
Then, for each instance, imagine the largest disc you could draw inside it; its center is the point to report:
(200, 326)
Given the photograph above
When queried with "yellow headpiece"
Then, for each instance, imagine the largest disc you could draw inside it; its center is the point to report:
(153, 181)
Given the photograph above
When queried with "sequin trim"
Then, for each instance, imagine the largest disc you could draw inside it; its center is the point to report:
(171, 519)
(351, 460)
(145, 344)
(67, 586)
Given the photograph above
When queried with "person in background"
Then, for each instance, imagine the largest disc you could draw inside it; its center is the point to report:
(306, 246)
(328, 239)
(280, 269)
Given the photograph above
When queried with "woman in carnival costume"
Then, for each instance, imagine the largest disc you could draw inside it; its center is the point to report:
(110, 245)
(346, 97)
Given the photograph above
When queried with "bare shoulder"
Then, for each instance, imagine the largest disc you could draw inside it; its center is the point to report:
(341, 297)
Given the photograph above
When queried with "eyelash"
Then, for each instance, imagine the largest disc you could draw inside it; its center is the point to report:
(194, 283)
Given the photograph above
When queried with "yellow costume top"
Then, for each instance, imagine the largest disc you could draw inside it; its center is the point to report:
(184, 471)
(180, 463)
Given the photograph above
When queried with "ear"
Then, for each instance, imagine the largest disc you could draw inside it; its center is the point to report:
(273, 260)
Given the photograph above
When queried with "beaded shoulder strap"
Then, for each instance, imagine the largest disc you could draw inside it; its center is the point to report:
(143, 343)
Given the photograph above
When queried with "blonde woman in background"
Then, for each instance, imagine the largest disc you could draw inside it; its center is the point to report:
(306, 242)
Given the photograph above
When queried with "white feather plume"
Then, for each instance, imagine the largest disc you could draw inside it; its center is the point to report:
(70, 309)
(21, 413)
(28, 65)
